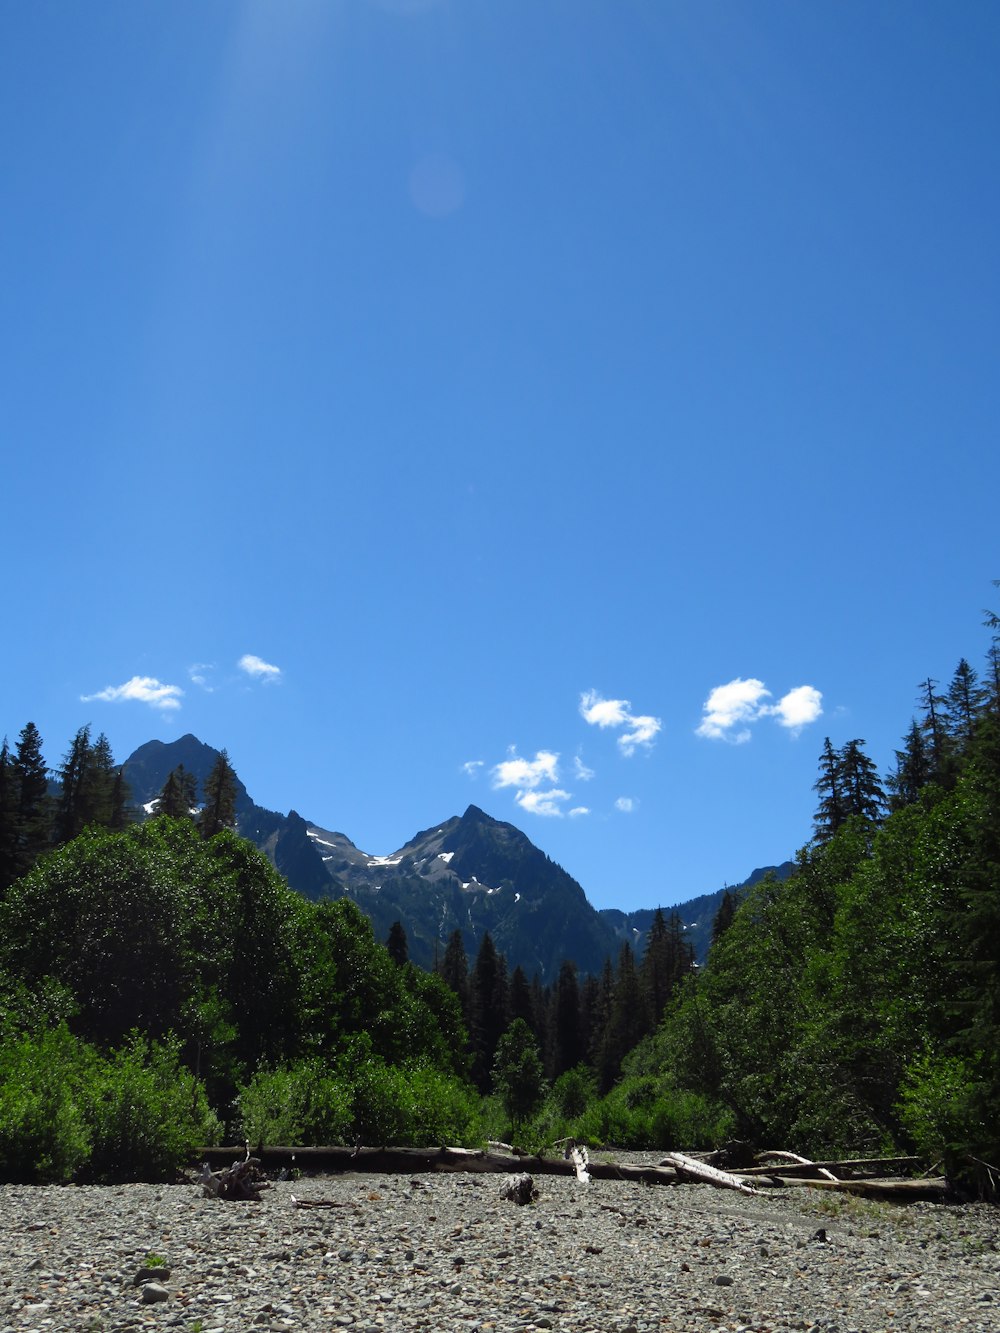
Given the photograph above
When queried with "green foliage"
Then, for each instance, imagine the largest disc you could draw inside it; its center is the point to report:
(146, 1115)
(67, 1112)
(359, 1098)
(518, 1074)
(938, 1105)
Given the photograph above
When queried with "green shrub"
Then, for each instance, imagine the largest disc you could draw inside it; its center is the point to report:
(147, 1114)
(44, 1135)
(937, 1106)
(296, 1105)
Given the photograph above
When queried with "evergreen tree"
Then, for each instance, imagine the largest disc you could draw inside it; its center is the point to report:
(397, 945)
(964, 702)
(179, 794)
(832, 806)
(567, 1037)
(218, 811)
(935, 731)
(34, 807)
(454, 971)
(520, 999)
(724, 916)
(73, 806)
(859, 783)
(9, 821)
(913, 769)
(488, 1006)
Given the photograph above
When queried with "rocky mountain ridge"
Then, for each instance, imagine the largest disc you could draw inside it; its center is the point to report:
(471, 873)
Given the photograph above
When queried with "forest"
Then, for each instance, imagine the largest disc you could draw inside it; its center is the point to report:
(162, 988)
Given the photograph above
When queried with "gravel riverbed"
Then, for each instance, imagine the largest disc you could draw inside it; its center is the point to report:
(445, 1252)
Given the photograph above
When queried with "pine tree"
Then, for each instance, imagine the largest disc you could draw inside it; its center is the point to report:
(859, 782)
(73, 812)
(935, 731)
(488, 1008)
(520, 1001)
(218, 811)
(179, 794)
(567, 1037)
(964, 702)
(454, 971)
(9, 820)
(34, 807)
(832, 806)
(913, 769)
(397, 945)
(724, 916)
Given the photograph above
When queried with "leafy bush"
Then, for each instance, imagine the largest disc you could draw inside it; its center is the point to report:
(67, 1112)
(44, 1135)
(295, 1105)
(937, 1105)
(146, 1114)
(361, 1097)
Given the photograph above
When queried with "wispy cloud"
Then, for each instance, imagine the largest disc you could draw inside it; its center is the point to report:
(471, 767)
(199, 673)
(640, 729)
(546, 803)
(581, 771)
(140, 689)
(579, 811)
(527, 774)
(626, 804)
(257, 668)
(731, 709)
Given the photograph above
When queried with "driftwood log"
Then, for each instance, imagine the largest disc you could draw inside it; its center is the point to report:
(866, 1177)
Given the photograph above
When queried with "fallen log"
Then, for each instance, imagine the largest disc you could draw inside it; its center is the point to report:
(896, 1191)
(710, 1175)
(412, 1161)
(850, 1168)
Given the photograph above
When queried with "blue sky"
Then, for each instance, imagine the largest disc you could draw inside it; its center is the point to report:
(441, 401)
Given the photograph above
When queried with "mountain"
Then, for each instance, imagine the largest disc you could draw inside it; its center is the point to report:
(472, 873)
(697, 914)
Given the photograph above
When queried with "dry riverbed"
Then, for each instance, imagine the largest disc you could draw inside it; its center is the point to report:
(444, 1252)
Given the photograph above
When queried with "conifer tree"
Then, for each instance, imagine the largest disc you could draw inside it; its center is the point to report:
(567, 1037)
(454, 971)
(724, 916)
(9, 822)
(913, 769)
(935, 731)
(964, 702)
(859, 782)
(179, 794)
(520, 1000)
(73, 807)
(218, 811)
(34, 807)
(832, 806)
(397, 944)
(488, 1008)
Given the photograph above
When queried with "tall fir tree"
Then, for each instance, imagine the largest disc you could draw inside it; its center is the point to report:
(860, 784)
(9, 821)
(913, 769)
(397, 945)
(566, 1033)
(832, 810)
(488, 1008)
(964, 702)
(218, 809)
(34, 806)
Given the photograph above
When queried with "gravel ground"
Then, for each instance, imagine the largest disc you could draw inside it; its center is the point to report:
(444, 1252)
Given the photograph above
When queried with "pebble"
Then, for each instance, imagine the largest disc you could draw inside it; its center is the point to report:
(608, 1257)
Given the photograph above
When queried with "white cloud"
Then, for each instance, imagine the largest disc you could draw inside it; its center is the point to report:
(582, 772)
(730, 706)
(643, 732)
(141, 689)
(625, 804)
(798, 707)
(579, 810)
(258, 668)
(730, 709)
(543, 802)
(527, 774)
(198, 674)
(600, 712)
(471, 767)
